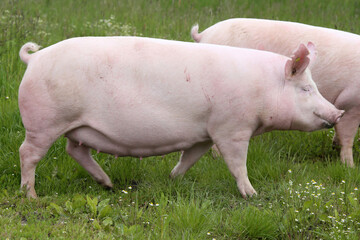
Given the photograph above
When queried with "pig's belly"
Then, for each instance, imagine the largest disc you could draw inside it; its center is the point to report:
(137, 146)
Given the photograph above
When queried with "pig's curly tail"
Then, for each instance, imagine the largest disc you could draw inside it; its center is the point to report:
(24, 51)
(195, 33)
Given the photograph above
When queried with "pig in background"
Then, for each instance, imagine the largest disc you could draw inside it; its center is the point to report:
(131, 96)
(336, 70)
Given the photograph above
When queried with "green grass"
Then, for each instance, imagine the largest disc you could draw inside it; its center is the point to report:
(303, 190)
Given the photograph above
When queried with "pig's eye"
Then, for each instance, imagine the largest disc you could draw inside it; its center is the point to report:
(306, 88)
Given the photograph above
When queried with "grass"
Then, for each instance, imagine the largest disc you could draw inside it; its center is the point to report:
(304, 192)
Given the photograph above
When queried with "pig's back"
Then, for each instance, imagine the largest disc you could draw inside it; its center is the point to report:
(142, 67)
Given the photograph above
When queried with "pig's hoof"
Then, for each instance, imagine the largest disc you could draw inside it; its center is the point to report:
(349, 163)
(248, 194)
(107, 185)
(246, 190)
(29, 193)
(175, 173)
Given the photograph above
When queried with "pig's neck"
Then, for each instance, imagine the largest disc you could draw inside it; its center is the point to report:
(273, 122)
(277, 113)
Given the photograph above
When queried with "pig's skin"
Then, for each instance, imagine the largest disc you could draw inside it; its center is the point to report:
(140, 97)
(336, 71)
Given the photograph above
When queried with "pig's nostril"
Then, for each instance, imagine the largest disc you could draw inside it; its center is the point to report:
(339, 117)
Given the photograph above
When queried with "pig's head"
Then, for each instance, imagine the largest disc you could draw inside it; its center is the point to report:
(310, 110)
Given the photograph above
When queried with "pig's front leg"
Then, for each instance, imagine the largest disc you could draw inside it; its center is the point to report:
(235, 154)
(189, 157)
(346, 131)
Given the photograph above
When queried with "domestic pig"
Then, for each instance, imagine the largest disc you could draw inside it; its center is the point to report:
(336, 71)
(132, 96)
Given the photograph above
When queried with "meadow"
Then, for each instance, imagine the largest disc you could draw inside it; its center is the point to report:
(304, 192)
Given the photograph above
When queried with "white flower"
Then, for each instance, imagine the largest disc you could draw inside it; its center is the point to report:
(289, 170)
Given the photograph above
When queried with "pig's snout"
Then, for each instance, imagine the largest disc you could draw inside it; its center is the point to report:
(335, 119)
(329, 121)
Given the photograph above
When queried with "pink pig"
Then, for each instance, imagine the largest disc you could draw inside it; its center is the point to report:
(336, 70)
(130, 96)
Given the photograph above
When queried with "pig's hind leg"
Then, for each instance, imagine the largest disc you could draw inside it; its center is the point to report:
(189, 157)
(82, 155)
(34, 147)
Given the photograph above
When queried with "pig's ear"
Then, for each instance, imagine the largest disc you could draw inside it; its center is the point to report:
(313, 53)
(298, 62)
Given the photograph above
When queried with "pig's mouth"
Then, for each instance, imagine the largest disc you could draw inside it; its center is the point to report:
(326, 124)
